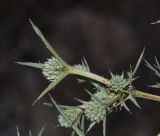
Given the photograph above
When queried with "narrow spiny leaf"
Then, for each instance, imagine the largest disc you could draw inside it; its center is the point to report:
(86, 64)
(157, 85)
(89, 92)
(73, 133)
(51, 86)
(138, 63)
(134, 101)
(150, 66)
(48, 104)
(90, 127)
(30, 133)
(18, 134)
(158, 65)
(81, 101)
(46, 43)
(157, 22)
(82, 125)
(104, 126)
(125, 106)
(42, 130)
(31, 64)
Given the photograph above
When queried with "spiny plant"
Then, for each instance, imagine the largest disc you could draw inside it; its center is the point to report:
(110, 94)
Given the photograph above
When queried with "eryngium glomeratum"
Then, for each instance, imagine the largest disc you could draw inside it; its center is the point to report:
(52, 69)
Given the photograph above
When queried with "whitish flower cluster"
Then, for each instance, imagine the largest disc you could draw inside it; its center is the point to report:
(52, 69)
(118, 83)
(95, 111)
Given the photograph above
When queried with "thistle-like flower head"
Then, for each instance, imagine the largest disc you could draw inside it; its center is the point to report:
(52, 69)
(95, 111)
(118, 83)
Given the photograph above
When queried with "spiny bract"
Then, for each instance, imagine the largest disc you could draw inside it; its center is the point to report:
(81, 67)
(52, 69)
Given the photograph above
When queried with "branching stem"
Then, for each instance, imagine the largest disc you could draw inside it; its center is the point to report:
(145, 95)
(89, 75)
(100, 79)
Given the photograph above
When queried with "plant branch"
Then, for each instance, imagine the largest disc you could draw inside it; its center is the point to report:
(89, 75)
(100, 79)
(140, 94)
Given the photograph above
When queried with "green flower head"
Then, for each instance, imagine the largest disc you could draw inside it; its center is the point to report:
(118, 83)
(52, 69)
(95, 111)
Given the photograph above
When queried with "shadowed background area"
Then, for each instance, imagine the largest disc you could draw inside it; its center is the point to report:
(109, 34)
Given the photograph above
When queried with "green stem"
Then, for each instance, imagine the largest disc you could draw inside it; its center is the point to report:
(114, 99)
(89, 75)
(144, 95)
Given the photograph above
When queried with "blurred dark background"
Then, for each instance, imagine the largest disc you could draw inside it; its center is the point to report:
(109, 34)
